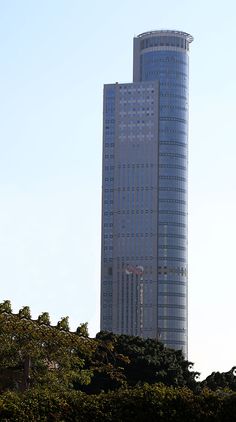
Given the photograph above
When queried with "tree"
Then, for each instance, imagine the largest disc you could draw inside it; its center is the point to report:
(82, 330)
(44, 319)
(5, 307)
(122, 360)
(221, 380)
(33, 352)
(63, 324)
(148, 360)
(25, 312)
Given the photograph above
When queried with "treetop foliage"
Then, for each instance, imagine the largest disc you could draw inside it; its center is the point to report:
(33, 352)
(112, 377)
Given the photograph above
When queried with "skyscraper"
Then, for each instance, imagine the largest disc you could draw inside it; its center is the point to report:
(144, 275)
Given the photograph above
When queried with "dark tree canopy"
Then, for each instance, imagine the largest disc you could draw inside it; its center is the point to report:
(221, 380)
(145, 360)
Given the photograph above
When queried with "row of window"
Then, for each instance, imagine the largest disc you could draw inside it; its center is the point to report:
(171, 84)
(109, 121)
(133, 123)
(110, 108)
(172, 306)
(136, 138)
(135, 165)
(169, 224)
(134, 114)
(129, 258)
(167, 264)
(122, 275)
(164, 72)
(171, 270)
(172, 154)
(139, 188)
(173, 60)
(139, 89)
(109, 144)
(109, 133)
(168, 129)
(144, 97)
(181, 179)
(161, 248)
(174, 142)
(135, 211)
(147, 165)
(171, 283)
(172, 107)
(173, 201)
(138, 102)
(172, 166)
(147, 258)
(128, 189)
(123, 262)
(171, 318)
(178, 287)
(108, 305)
(136, 133)
(134, 90)
(150, 174)
(164, 41)
(178, 225)
(167, 142)
(146, 234)
(171, 258)
(173, 235)
(139, 107)
(173, 212)
(118, 235)
(150, 62)
(146, 188)
(168, 247)
(173, 95)
(173, 330)
(172, 119)
(161, 189)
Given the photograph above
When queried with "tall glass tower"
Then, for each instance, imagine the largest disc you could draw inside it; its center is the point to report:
(144, 274)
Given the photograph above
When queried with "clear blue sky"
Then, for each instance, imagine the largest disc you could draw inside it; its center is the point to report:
(55, 57)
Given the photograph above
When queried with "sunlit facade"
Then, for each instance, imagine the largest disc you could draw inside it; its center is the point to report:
(144, 274)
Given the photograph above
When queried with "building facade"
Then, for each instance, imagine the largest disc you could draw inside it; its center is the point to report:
(144, 275)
